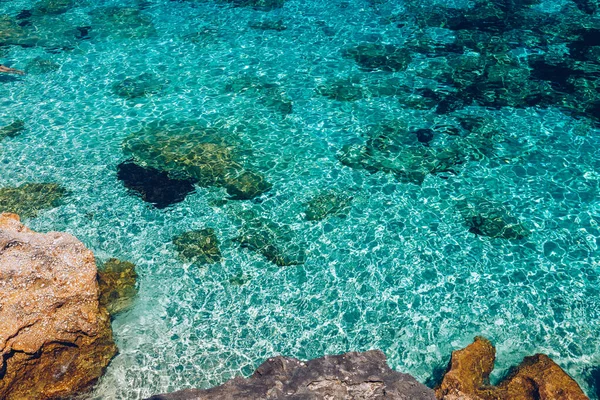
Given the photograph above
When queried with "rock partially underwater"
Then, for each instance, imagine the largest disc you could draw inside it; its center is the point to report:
(29, 199)
(55, 337)
(359, 376)
(536, 378)
(117, 283)
(207, 156)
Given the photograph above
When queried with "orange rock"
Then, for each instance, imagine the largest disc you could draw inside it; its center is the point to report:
(536, 378)
(55, 338)
(468, 372)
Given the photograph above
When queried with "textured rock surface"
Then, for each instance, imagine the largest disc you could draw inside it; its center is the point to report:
(55, 339)
(536, 378)
(29, 199)
(117, 283)
(347, 376)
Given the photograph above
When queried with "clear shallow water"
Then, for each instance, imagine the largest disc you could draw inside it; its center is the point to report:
(401, 272)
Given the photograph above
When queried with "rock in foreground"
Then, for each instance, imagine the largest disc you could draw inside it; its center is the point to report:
(536, 378)
(55, 338)
(348, 376)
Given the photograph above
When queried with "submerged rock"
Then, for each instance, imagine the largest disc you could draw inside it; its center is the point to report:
(270, 95)
(536, 378)
(343, 90)
(268, 25)
(55, 338)
(384, 57)
(200, 246)
(486, 218)
(358, 376)
(117, 283)
(41, 65)
(53, 7)
(154, 186)
(276, 242)
(261, 5)
(144, 85)
(393, 148)
(13, 129)
(330, 202)
(29, 199)
(125, 22)
(208, 156)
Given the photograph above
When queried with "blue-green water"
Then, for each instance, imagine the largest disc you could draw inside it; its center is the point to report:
(400, 271)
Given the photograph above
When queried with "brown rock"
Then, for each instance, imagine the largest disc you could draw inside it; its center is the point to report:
(116, 280)
(536, 378)
(55, 338)
(469, 371)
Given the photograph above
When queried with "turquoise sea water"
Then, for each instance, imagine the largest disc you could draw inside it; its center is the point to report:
(399, 270)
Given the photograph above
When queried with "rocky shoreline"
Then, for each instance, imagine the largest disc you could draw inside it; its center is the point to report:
(56, 340)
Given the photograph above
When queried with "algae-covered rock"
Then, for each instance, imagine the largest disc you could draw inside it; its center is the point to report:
(124, 22)
(261, 5)
(154, 186)
(343, 90)
(486, 218)
(53, 7)
(208, 156)
(13, 129)
(199, 246)
(41, 65)
(384, 57)
(143, 85)
(269, 94)
(536, 378)
(393, 148)
(29, 199)
(327, 203)
(117, 283)
(276, 242)
(268, 25)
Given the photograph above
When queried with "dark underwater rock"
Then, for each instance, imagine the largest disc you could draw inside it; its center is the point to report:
(384, 57)
(268, 25)
(486, 218)
(188, 151)
(13, 129)
(117, 284)
(140, 86)
(154, 186)
(261, 5)
(276, 242)
(29, 199)
(199, 246)
(327, 203)
(358, 376)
